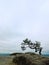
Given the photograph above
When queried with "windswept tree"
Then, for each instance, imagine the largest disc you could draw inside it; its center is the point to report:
(28, 43)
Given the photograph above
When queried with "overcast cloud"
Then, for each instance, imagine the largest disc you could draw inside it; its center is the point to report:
(20, 19)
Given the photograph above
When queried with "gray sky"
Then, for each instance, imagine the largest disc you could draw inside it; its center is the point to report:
(23, 18)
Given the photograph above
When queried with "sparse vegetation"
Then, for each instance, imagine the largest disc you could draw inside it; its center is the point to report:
(30, 59)
(24, 59)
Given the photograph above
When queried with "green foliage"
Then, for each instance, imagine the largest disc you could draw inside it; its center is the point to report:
(31, 45)
(26, 41)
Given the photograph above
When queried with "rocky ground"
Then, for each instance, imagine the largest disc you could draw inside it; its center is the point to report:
(24, 59)
(30, 59)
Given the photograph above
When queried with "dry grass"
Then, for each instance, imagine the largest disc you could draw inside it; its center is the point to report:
(24, 59)
(5, 60)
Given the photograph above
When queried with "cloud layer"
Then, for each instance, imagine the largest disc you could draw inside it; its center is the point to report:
(20, 19)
